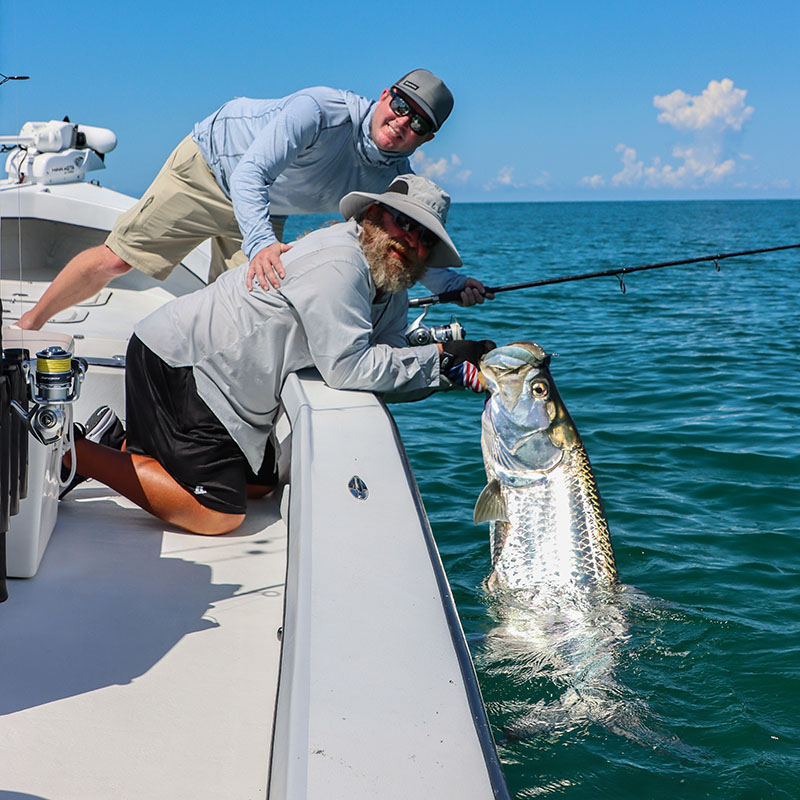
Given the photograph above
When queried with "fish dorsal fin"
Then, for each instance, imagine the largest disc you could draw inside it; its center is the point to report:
(490, 506)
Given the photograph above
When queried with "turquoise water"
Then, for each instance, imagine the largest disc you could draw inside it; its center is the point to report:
(686, 390)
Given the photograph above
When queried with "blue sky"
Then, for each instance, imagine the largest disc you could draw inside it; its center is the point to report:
(554, 101)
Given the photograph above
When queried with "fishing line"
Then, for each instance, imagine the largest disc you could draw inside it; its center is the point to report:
(21, 155)
(617, 272)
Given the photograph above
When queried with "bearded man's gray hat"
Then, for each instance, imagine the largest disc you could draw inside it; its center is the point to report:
(418, 198)
(429, 93)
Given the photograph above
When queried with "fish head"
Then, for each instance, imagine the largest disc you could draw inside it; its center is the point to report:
(548, 528)
(526, 426)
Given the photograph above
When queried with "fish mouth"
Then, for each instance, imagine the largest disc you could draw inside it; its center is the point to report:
(521, 352)
(504, 369)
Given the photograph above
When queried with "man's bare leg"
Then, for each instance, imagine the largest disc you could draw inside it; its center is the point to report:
(84, 275)
(144, 481)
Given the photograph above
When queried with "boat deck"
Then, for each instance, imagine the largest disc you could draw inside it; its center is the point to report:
(176, 697)
(141, 662)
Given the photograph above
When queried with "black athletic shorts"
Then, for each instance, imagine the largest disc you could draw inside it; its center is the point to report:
(167, 420)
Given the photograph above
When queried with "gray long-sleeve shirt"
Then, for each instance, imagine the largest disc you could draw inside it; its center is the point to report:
(298, 154)
(242, 345)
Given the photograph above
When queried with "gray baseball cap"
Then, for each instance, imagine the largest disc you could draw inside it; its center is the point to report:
(419, 198)
(429, 93)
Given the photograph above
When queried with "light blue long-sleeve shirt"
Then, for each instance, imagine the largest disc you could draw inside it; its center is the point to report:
(299, 154)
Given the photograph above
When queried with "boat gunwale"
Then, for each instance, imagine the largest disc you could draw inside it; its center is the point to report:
(463, 656)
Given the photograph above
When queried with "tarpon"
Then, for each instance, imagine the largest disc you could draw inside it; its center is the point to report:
(548, 528)
(563, 617)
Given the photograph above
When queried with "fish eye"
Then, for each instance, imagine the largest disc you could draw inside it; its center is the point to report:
(540, 389)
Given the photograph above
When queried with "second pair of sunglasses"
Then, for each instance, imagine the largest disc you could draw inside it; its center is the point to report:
(405, 223)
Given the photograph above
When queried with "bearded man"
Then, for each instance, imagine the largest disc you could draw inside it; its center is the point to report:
(205, 372)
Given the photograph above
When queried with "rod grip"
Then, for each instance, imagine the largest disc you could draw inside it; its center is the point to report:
(3, 587)
(18, 390)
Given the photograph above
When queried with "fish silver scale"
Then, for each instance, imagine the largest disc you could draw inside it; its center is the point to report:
(556, 534)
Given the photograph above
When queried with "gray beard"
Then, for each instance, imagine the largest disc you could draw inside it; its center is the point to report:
(388, 273)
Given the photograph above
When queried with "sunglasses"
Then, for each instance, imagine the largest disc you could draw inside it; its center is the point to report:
(426, 238)
(420, 125)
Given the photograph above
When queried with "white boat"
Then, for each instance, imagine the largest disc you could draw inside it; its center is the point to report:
(314, 653)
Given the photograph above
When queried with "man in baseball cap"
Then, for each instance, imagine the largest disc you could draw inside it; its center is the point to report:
(205, 371)
(249, 165)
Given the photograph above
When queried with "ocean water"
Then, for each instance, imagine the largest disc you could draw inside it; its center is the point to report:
(686, 390)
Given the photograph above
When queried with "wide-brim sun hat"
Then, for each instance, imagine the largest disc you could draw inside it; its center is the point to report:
(416, 197)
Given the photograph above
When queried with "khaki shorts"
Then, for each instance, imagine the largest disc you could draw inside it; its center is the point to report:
(181, 208)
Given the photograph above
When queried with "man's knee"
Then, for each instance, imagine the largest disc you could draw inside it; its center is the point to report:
(110, 262)
(215, 523)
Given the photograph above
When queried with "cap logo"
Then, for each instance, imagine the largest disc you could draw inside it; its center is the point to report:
(411, 85)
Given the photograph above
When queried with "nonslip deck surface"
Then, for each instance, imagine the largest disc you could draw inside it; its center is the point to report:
(141, 662)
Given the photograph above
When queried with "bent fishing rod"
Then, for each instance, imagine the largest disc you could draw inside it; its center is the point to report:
(617, 272)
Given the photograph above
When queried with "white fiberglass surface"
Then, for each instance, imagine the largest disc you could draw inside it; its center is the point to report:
(142, 662)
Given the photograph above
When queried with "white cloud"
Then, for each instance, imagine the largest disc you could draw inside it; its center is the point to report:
(437, 169)
(427, 167)
(780, 184)
(701, 165)
(705, 163)
(708, 122)
(503, 180)
(543, 180)
(720, 106)
(593, 181)
(632, 170)
(505, 176)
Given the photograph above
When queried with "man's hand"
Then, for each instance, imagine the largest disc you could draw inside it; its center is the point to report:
(474, 292)
(459, 362)
(266, 266)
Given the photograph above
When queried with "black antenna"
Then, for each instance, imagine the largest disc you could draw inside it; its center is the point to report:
(13, 78)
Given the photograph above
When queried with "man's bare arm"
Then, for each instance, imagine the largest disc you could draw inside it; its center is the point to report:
(83, 276)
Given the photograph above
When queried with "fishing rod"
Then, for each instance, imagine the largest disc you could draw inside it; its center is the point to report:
(617, 272)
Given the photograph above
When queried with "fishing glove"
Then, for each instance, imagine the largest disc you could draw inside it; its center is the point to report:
(459, 360)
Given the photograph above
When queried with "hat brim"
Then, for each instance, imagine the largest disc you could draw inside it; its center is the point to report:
(443, 254)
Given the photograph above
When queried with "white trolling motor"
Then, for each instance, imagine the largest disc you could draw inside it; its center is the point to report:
(56, 152)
